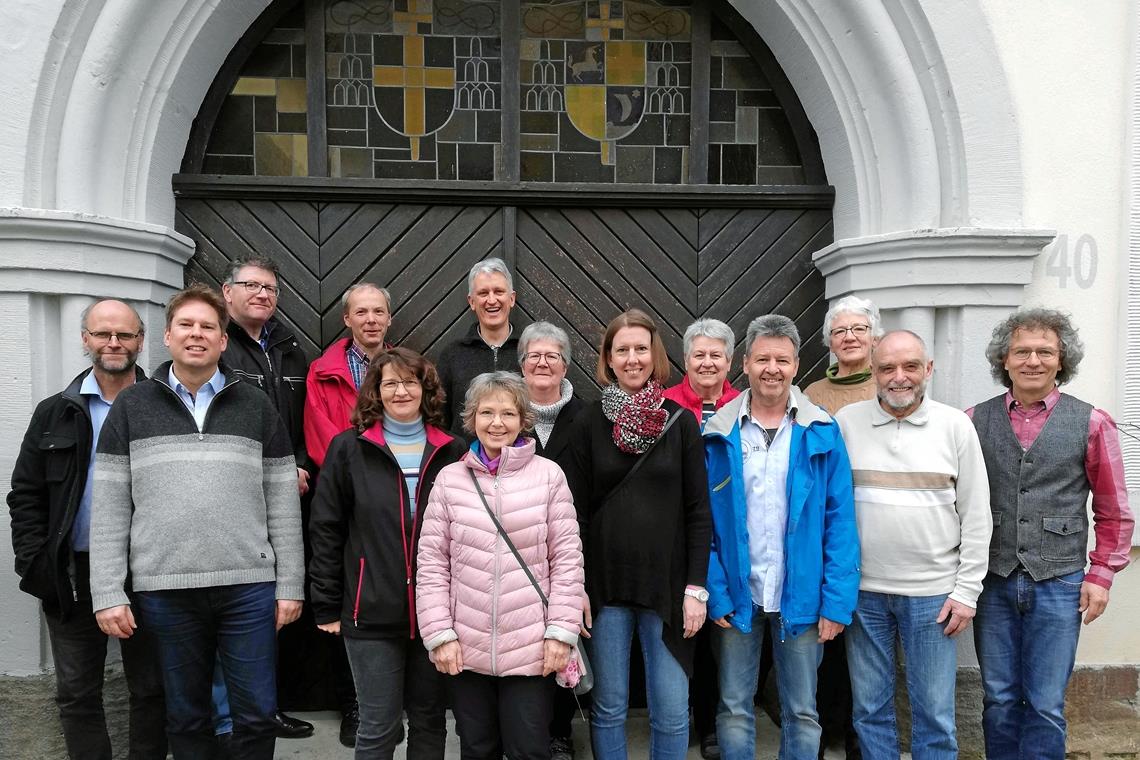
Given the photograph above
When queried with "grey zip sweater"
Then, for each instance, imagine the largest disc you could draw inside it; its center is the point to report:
(185, 509)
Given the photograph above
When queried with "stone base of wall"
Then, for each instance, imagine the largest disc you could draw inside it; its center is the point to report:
(1102, 707)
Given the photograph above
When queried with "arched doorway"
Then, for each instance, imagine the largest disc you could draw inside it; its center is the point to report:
(646, 153)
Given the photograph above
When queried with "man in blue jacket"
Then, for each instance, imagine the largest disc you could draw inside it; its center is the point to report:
(785, 549)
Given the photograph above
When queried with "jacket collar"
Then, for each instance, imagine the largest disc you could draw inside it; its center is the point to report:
(475, 338)
(71, 392)
(162, 374)
(691, 400)
(333, 363)
(275, 332)
(512, 459)
(435, 437)
(729, 415)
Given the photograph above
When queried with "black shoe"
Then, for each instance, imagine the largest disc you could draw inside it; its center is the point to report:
(292, 728)
(348, 725)
(710, 749)
(561, 748)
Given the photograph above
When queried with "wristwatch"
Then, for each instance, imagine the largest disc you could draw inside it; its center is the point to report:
(700, 594)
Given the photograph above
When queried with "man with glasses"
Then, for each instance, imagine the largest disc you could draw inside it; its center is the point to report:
(50, 503)
(1045, 452)
(263, 351)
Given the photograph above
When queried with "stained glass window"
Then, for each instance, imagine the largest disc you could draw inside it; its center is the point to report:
(414, 89)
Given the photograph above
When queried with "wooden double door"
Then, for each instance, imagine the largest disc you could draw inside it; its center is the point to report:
(577, 260)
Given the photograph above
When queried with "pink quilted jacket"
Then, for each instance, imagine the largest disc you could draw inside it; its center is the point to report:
(468, 584)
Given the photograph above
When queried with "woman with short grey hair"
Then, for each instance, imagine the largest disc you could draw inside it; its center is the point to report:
(708, 345)
(850, 329)
(544, 357)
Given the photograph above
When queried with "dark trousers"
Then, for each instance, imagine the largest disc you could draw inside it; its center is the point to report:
(394, 675)
(505, 715)
(704, 693)
(80, 652)
(237, 624)
(567, 704)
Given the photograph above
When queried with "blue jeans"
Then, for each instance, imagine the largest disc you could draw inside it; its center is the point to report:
(931, 670)
(223, 723)
(738, 664)
(666, 685)
(1026, 636)
(236, 624)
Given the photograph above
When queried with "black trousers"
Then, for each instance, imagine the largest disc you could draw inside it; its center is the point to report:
(80, 652)
(506, 715)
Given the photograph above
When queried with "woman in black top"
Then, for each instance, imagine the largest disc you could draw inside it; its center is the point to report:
(365, 527)
(646, 536)
(544, 356)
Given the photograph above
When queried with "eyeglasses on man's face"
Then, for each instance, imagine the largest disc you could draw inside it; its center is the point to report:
(105, 336)
(253, 287)
(858, 331)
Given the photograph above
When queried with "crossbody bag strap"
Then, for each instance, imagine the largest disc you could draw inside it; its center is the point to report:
(507, 539)
(645, 455)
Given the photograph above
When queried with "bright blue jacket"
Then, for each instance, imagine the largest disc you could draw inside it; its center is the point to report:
(821, 546)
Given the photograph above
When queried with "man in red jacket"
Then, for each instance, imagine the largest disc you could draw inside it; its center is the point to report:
(335, 377)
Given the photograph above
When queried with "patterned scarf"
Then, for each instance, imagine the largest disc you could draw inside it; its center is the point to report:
(638, 419)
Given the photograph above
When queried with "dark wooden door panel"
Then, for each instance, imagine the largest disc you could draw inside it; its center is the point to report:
(576, 267)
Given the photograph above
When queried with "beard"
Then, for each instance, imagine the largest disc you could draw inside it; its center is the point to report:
(899, 402)
(113, 364)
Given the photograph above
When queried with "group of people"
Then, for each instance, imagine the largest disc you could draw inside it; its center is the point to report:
(470, 529)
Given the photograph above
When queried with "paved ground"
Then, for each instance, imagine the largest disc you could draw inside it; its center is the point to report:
(323, 745)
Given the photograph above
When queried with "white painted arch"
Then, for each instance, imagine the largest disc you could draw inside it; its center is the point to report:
(908, 98)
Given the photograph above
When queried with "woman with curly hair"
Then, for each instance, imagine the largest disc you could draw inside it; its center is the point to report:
(637, 472)
(365, 527)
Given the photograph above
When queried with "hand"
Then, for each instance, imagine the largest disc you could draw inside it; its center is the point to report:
(723, 621)
(587, 617)
(956, 615)
(333, 627)
(116, 621)
(288, 610)
(448, 658)
(694, 616)
(302, 481)
(555, 655)
(1094, 599)
(828, 629)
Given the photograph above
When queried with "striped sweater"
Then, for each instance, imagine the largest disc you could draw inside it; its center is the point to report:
(185, 509)
(922, 500)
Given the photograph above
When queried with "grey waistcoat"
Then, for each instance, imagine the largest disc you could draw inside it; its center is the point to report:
(1038, 497)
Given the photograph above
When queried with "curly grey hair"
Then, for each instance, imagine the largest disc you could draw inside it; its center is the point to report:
(1072, 348)
(544, 331)
(492, 265)
(492, 382)
(709, 328)
(852, 305)
(772, 326)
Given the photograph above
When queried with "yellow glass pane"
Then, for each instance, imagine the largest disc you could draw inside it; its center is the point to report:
(414, 111)
(413, 51)
(625, 63)
(291, 96)
(388, 76)
(414, 76)
(255, 86)
(442, 78)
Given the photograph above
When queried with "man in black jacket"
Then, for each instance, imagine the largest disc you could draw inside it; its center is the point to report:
(489, 345)
(50, 504)
(263, 351)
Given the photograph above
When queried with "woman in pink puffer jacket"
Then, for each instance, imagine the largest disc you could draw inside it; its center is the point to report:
(480, 617)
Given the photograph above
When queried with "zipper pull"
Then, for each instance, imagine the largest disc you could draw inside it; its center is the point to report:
(409, 580)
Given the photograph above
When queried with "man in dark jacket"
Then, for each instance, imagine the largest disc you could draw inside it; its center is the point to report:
(50, 503)
(489, 345)
(264, 352)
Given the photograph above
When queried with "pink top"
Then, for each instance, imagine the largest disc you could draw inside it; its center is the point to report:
(1104, 467)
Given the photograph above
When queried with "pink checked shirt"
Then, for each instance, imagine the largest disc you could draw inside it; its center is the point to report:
(1104, 467)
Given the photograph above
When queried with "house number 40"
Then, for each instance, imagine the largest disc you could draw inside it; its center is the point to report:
(1080, 266)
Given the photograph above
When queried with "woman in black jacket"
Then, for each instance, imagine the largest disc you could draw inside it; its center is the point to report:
(637, 472)
(364, 530)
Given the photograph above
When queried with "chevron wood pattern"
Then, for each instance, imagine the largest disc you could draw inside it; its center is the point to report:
(575, 267)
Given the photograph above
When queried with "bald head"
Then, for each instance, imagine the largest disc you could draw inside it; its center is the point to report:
(901, 367)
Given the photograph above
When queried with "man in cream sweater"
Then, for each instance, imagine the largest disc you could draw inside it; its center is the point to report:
(922, 507)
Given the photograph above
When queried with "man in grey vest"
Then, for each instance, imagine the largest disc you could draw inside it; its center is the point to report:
(1045, 451)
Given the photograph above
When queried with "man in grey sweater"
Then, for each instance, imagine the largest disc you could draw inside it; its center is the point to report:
(196, 507)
